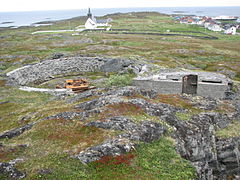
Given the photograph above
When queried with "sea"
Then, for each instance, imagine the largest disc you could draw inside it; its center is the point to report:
(30, 18)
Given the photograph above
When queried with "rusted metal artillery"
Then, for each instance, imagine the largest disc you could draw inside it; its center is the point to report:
(77, 85)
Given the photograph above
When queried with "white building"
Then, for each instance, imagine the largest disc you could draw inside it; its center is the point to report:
(200, 23)
(214, 27)
(93, 23)
(231, 30)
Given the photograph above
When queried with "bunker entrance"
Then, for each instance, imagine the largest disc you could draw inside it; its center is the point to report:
(190, 84)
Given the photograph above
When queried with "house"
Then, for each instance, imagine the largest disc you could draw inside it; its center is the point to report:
(206, 24)
(200, 83)
(230, 30)
(200, 23)
(93, 23)
(211, 23)
(214, 27)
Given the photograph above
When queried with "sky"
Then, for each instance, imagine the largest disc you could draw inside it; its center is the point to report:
(34, 5)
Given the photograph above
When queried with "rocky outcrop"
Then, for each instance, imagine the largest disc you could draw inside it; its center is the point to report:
(146, 132)
(112, 147)
(9, 170)
(228, 156)
(196, 142)
(116, 123)
(213, 158)
(100, 102)
(16, 132)
(85, 94)
(48, 69)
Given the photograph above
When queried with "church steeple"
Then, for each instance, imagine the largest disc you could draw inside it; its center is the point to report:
(89, 15)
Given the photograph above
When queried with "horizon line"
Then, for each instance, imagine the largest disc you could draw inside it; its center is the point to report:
(113, 8)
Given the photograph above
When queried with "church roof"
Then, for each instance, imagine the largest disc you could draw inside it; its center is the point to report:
(101, 21)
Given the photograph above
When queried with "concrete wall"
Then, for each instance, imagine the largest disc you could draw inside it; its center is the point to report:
(164, 87)
(144, 84)
(175, 87)
(168, 87)
(212, 90)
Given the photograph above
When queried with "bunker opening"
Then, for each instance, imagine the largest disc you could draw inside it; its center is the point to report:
(208, 81)
(189, 85)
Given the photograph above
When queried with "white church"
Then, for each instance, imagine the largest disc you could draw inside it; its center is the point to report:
(93, 23)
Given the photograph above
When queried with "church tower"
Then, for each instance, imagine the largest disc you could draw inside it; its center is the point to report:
(89, 15)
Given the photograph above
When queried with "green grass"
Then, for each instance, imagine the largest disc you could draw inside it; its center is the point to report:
(24, 107)
(183, 116)
(157, 160)
(233, 130)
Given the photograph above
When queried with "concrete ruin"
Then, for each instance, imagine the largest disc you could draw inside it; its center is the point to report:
(200, 83)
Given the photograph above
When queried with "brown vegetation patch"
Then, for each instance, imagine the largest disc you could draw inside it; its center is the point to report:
(111, 161)
(68, 133)
(2, 83)
(225, 107)
(8, 153)
(173, 99)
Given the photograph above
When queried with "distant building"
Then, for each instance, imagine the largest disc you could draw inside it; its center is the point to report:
(226, 18)
(200, 23)
(211, 23)
(206, 24)
(93, 23)
(215, 27)
(231, 30)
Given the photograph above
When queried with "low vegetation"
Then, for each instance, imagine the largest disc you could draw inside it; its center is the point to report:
(183, 116)
(233, 130)
(157, 160)
(119, 80)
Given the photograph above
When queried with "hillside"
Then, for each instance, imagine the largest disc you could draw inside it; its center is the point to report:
(116, 131)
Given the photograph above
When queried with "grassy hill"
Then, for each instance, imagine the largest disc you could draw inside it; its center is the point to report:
(45, 150)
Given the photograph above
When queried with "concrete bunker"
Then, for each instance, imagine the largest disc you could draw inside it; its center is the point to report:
(205, 84)
(189, 84)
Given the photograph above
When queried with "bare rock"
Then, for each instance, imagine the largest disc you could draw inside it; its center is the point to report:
(109, 148)
(16, 132)
(11, 171)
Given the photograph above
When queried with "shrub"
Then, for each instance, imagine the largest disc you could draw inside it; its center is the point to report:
(119, 80)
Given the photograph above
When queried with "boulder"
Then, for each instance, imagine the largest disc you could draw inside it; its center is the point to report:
(57, 55)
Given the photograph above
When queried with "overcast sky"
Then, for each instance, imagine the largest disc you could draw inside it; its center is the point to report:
(33, 5)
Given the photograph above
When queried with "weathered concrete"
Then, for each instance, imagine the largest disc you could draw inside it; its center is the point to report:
(55, 92)
(208, 84)
(212, 90)
(165, 87)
